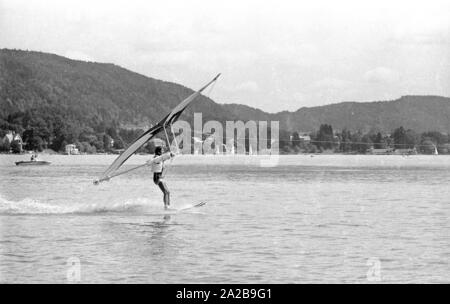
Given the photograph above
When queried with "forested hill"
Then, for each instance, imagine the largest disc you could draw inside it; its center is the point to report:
(420, 113)
(91, 91)
(59, 100)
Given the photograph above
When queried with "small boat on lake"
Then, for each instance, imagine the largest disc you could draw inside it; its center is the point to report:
(33, 163)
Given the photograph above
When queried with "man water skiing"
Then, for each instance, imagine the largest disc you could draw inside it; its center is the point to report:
(158, 169)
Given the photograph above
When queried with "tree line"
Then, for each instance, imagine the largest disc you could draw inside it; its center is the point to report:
(53, 128)
(346, 141)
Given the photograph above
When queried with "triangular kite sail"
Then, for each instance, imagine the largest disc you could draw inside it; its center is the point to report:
(149, 134)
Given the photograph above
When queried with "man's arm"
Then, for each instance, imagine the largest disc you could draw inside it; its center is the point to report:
(161, 158)
(168, 156)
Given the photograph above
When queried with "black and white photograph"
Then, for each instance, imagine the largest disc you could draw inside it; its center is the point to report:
(210, 143)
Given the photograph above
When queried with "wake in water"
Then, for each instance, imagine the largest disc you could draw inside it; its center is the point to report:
(31, 206)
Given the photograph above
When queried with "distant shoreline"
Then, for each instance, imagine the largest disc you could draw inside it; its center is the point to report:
(281, 154)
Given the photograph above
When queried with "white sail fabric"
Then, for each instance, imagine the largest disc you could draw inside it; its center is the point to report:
(176, 112)
(118, 162)
(168, 120)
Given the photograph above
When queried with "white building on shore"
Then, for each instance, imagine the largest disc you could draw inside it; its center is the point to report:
(71, 149)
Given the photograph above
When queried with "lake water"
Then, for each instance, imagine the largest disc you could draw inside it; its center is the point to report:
(308, 219)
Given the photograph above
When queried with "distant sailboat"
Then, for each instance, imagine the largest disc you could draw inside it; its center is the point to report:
(435, 150)
(197, 145)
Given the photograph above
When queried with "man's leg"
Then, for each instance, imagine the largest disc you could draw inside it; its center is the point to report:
(163, 186)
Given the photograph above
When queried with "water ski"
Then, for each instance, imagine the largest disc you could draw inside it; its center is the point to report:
(186, 207)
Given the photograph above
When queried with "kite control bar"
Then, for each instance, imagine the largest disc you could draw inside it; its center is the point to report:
(162, 157)
(107, 178)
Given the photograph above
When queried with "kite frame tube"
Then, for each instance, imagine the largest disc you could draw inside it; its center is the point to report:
(169, 119)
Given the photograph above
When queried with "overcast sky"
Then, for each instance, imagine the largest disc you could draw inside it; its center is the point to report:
(274, 55)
